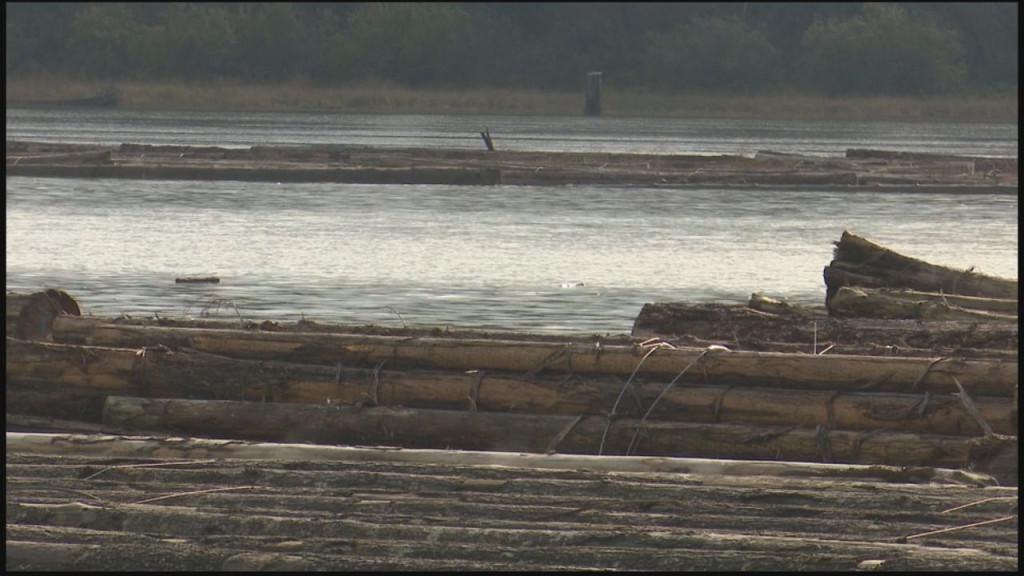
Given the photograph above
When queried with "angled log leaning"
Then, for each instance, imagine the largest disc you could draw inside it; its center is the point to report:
(62, 381)
(874, 303)
(980, 377)
(440, 429)
(860, 262)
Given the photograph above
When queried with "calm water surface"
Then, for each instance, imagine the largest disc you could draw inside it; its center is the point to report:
(570, 259)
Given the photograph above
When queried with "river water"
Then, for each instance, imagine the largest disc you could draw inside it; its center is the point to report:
(573, 259)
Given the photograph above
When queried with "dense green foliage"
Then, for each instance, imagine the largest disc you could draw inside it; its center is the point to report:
(832, 48)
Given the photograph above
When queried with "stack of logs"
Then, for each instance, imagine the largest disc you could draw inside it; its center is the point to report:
(870, 281)
(674, 395)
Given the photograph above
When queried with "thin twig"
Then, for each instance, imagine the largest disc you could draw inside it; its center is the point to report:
(973, 410)
(553, 446)
(955, 528)
(35, 487)
(633, 441)
(979, 502)
(656, 346)
(153, 465)
(395, 311)
(926, 370)
(179, 494)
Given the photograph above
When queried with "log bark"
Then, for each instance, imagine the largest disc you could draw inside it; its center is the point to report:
(980, 377)
(860, 257)
(854, 302)
(42, 377)
(439, 429)
(136, 447)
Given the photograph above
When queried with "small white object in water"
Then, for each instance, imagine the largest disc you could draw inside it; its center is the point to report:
(572, 284)
(718, 348)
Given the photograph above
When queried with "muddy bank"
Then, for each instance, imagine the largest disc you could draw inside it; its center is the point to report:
(858, 170)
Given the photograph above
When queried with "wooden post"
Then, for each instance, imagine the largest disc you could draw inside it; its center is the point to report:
(593, 94)
(486, 135)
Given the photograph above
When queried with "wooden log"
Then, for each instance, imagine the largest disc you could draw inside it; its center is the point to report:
(441, 429)
(43, 376)
(981, 377)
(742, 327)
(854, 302)
(135, 447)
(995, 305)
(865, 258)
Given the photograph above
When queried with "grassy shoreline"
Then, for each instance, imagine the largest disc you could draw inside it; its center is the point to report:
(380, 98)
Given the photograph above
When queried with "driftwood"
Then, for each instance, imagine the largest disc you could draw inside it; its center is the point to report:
(439, 429)
(715, 366)
(867, 303)
(65, 381)
(860, 262)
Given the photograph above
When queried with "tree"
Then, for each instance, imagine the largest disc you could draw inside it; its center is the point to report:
(270, 42)
(712, 53)
(188, 41)
(413, 43)
(101, 41)
(881, 50)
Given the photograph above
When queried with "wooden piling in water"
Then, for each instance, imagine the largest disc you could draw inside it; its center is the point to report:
(592, 107)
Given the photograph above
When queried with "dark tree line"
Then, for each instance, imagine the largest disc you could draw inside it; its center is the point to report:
(749, 47)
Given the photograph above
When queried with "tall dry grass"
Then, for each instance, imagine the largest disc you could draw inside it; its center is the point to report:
(385, 98)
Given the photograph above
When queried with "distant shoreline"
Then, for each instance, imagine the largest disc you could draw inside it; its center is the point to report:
(377, 98)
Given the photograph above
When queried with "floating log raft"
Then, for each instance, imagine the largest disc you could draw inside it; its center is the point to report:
(332, 163)
(309, 383)
(61, 381)
(862, 263)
